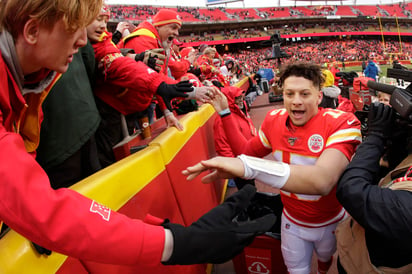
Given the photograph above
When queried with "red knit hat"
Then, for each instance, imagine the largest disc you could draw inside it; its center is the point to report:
(202, 47)
(165, 16)
(105, 10)
(185, 52)
(231, 92)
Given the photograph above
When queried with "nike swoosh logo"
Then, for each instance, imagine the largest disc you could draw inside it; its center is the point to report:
(351, 122)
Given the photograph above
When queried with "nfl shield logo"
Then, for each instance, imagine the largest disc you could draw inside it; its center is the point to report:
(315, 143)
(292, 140)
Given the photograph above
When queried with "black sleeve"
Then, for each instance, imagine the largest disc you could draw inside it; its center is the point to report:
(382, 210)
(116, 37)
(87, 53)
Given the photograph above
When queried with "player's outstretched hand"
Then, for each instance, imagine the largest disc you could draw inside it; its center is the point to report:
(219, 167)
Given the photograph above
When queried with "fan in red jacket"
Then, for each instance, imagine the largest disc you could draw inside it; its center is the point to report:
(160, 34)
(180, 65)
(34, 43)
(127, 85)
(241, 120)
(208, 70)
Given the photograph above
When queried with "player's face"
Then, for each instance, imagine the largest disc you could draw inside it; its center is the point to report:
(301, 99)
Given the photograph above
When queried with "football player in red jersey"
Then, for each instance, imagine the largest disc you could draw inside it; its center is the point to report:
(311, 147)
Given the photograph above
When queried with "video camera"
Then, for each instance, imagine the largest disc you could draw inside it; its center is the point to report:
(401, 99)
(399, 144)
(275, 41)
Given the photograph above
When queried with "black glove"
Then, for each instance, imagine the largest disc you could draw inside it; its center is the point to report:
(170, 91)
(263, 204)
(116, 37)
(41, 250)
(196, 71)
(380, 120)
(218, 84)
(153, 58)
(216, 237)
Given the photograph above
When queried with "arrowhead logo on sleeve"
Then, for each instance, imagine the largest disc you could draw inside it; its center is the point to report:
(102, 210)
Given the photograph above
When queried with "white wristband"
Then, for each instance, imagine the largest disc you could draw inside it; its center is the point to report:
(268, 172)
(224, 112)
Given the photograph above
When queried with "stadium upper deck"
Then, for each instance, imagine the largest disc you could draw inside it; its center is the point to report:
(264, 22)
(211, 15)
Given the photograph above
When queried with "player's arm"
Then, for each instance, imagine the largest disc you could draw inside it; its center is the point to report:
(316, 179)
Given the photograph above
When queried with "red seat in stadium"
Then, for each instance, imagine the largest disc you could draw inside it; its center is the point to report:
(345, 11)
(393, 10)
(368, 10)
(277, 13)
(215, 14)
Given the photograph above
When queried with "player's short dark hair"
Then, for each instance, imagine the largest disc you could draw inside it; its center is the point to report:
(306, 70)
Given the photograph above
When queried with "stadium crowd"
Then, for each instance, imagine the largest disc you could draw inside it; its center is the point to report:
(321, 52)
(190, 14)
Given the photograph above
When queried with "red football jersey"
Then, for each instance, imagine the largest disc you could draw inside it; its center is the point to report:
(302, 145)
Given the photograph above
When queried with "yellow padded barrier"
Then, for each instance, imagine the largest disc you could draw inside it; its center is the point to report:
(124, 178)
(171, 140)
(18, 256)
(205, 112)
(112, 186)
(243, 83)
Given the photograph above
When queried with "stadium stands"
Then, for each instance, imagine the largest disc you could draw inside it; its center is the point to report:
(276, 12)
(394, 10)
(345, 11)
(214, 14)
(139, 12)
(318, 33)
(367, 10)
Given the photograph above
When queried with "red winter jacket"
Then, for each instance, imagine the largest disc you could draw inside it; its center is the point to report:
(126, 85)
(242, 121)
(209, 71)
(61, 220)
(178, 67)
(145, 37)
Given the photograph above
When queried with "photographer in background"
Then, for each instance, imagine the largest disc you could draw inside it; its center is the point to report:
(377, 237)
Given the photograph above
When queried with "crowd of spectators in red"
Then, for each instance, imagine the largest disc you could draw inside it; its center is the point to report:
(325, 52)
(192, 14)
(291, 29)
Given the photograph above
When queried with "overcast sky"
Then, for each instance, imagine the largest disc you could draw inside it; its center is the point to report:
(249, 3)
